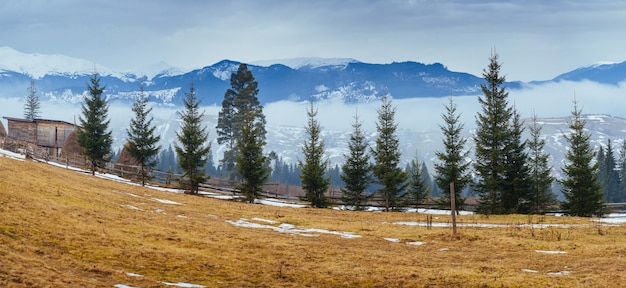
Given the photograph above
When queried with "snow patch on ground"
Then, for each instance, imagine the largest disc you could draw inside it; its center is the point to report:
(9, 154)
(165, 201)
(291, 229)
(550, 252)
(181, 284)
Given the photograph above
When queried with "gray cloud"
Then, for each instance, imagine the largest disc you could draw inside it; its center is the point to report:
(536, 39)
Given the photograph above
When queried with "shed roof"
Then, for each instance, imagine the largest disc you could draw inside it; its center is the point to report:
(37, 120)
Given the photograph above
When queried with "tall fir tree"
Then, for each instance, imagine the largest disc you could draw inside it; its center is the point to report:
(517, 198)
(452, 166)
(417, 189)
(491, 140)
(540, 180)
(93, 135)
(608, 175)
(313, 169)
(193, 148)
(355, 172)
(432, 187)
(251, 163)
(580, 186)
(386, 153)
(622, 172)
(239, 100)
(32, 105)
(142, 141)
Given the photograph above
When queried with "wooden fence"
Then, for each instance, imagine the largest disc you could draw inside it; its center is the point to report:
(169, 179)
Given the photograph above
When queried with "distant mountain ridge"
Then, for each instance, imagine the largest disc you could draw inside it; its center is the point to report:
(64, 79)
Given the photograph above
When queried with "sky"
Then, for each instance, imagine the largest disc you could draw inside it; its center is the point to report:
(536, 39)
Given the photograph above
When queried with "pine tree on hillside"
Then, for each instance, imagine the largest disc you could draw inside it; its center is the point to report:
(581, 188)
(142, 142)
(93, 135)
(431, 185)
(517, 198)
(313, 169)
(417, 189)
(239, 100)
(32, 105)
(193, 148)
(386, 153)
(251, 163)
(622, 173)
(355, 172)
(540, 181)
(491, 140)
(452, 166)
(608, 175)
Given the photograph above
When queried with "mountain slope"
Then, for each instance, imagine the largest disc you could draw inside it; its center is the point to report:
(606, 73)
(63, 79)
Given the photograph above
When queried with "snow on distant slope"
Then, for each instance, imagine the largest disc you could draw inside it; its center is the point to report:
(159, 69)
(38, 65)
(308, 62)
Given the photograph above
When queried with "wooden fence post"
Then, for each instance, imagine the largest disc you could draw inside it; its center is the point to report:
(453, 207)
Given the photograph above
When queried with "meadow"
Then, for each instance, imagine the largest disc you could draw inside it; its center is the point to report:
(61, 228)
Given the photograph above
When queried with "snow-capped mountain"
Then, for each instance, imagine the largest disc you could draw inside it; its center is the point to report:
(38, 65)
(61, 78)
(308, 62)
(601, 72)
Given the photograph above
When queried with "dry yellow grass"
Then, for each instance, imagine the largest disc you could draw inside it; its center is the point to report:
(60, 228)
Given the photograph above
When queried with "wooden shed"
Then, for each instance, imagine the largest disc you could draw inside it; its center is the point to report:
(48, 134)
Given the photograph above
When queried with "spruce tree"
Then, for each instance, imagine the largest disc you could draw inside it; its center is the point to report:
(608, 175)
(622, 173)
(239, 100)
(492, 140)
(93, 135)
(540, 181)
(313, 169)
(386, 153)
(251, 163)
(452, 166)
(32, 105)
(141, 138)
(355, 172)
(517, 198)
(193, 148)
(417, 189)
(581, 188)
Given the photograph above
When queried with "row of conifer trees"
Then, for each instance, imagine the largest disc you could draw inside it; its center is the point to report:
(510, 174)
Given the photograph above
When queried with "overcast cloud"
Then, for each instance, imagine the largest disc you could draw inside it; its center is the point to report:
(537, 40)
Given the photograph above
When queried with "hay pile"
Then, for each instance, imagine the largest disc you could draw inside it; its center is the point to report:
(125, 158)
(3, 132)
(71, 147)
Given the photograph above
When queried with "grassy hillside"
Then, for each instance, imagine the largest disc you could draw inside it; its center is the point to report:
(60, 228)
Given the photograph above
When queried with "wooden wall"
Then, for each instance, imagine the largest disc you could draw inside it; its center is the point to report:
(49, 134)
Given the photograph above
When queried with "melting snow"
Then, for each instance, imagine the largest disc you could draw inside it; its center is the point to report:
(560, 273)
(530, 271)
(394, 240)
(415, 243)
(181, 284)
(131, 207)
(291, 229)
(133, 274)
(550, 252)
(164, 201)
